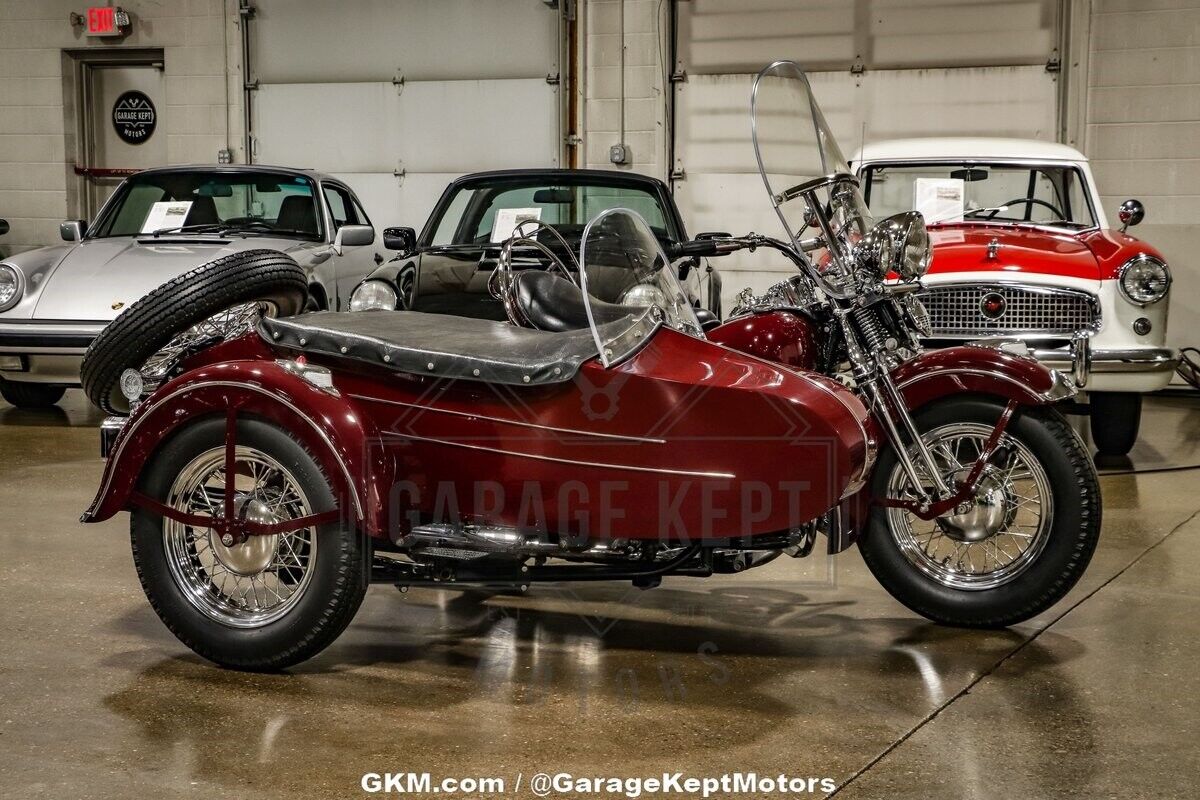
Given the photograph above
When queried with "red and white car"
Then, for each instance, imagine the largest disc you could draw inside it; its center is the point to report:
(1023, 250)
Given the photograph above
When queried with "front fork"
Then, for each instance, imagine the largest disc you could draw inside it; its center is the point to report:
(898, 423)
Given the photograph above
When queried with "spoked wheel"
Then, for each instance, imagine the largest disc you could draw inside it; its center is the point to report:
(213, 303)
(1017, 546)
(272, 600)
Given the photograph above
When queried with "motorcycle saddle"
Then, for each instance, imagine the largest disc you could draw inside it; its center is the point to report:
(437, 344)
(552, 303)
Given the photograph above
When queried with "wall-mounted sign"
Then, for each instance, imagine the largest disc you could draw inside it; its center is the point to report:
(106, 21)
(134, 117)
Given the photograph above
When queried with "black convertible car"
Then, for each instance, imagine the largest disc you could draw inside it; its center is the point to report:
(445, 269)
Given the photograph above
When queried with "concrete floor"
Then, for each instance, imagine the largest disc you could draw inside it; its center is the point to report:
(807, 668)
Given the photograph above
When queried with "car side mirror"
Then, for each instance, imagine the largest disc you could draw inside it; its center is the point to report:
(72, 230)
(3, 226)
(401, 239)
(352, 236)
(1131, 212)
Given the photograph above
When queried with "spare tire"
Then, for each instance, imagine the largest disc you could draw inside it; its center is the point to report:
(175, 314)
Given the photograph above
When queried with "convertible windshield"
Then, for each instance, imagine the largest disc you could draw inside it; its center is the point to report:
(948, 193)
(489, 212)
(200, 201)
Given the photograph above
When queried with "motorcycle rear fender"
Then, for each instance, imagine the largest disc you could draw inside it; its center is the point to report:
(979, 370)
(338, 437)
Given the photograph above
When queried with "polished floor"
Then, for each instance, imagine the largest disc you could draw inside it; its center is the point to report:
(806, 668)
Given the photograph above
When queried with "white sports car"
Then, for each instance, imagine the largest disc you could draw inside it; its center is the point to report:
(159, 224)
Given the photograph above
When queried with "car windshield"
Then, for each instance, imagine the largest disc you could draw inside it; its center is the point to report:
(198, 201)
(488, 213)
(951, 193)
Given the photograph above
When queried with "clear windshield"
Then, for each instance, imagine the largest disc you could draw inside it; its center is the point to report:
(629, 284)
(949, 193)
(803, 168)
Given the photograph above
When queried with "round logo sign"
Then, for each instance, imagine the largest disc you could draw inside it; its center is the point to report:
(134, 117)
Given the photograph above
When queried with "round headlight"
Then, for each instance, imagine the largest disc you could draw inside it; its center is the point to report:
(644, 294)
(1144, 279)
(898, 244)
(373, 296)
(10, 286)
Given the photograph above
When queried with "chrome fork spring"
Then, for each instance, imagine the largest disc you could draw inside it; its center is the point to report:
(874, 335)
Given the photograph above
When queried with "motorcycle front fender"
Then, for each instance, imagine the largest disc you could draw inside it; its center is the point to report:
(973, 369)
(332, 430)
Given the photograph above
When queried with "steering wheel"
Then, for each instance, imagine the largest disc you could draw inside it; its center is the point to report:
(1029, 201)
(501, 283)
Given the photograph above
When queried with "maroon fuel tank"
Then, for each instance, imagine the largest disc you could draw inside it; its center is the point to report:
(783, 337)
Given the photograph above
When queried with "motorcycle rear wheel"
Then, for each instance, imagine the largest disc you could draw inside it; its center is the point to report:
(271, 601)
(1015, 554)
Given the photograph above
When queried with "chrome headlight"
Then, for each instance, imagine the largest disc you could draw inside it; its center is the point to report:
(373, 296)
(898, 244)
(1144, 279)
(644, 294)
(10, 286)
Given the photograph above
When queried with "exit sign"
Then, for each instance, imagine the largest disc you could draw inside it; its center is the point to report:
(107, 21)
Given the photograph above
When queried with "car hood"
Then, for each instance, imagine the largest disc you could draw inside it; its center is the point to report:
(1020, 250)
(100, 277)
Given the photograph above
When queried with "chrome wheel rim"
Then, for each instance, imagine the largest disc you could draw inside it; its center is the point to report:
(1003, 531)
(228, 324)
(256, 582)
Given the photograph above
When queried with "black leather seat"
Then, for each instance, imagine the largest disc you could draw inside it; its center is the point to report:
(297, 212)
(552, 303)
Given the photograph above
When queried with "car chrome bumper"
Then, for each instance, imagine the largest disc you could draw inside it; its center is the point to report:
(1081, 361)
(47, 351)
(110, 429)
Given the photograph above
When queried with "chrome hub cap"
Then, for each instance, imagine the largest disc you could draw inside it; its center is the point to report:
(241, 584)
(983, 515)
(993, 537)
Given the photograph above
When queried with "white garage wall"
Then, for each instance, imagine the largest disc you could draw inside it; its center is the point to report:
(398, 97)
(929, 68)
(1143, 131)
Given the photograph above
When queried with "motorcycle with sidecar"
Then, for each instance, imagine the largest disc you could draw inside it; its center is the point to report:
(275, 464)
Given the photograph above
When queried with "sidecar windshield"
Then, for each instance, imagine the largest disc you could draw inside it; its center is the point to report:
(805, 173)
(629, 284)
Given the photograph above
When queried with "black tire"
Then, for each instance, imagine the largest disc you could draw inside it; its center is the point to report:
(341, 566)
(1072, 537)
(151, 322)
(1115, 420)
(31, 395)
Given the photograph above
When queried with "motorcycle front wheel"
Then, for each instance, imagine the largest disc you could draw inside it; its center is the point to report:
(1025, 538)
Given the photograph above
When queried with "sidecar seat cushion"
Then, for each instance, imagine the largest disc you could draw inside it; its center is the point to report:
(552, 303)
(438, 344)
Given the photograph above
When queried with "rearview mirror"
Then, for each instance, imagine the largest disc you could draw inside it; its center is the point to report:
(72, 230)
(1131, 212)
(402, 239)
(547, 197)
(352, 236)
(969, 175)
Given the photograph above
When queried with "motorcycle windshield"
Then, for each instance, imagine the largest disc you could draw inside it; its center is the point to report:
(629, 285)
(802, 166)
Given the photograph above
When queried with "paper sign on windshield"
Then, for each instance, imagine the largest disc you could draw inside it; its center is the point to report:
(939, 199)
(507, 220)
(167, 214)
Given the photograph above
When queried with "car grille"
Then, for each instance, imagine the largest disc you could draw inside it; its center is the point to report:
(957, 311)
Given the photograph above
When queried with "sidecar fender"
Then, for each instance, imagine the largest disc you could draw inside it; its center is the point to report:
(327, 424)
(979, 370)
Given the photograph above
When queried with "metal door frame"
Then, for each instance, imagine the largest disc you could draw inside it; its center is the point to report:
(77, 67)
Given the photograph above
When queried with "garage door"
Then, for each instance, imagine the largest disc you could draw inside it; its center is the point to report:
(881, 69)
(398, 97)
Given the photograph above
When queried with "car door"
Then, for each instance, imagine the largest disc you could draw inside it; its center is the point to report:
(356, 262)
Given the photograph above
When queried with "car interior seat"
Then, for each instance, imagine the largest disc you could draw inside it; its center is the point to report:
(298, 212)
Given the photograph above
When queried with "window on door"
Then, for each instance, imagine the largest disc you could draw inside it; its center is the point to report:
(344, 209)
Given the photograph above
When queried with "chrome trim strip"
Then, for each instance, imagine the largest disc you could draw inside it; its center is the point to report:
(573, 462)
(131, 429)
(486, 418)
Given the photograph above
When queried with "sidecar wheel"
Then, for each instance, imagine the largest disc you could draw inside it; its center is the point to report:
(1014, 554)
(272, 601)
